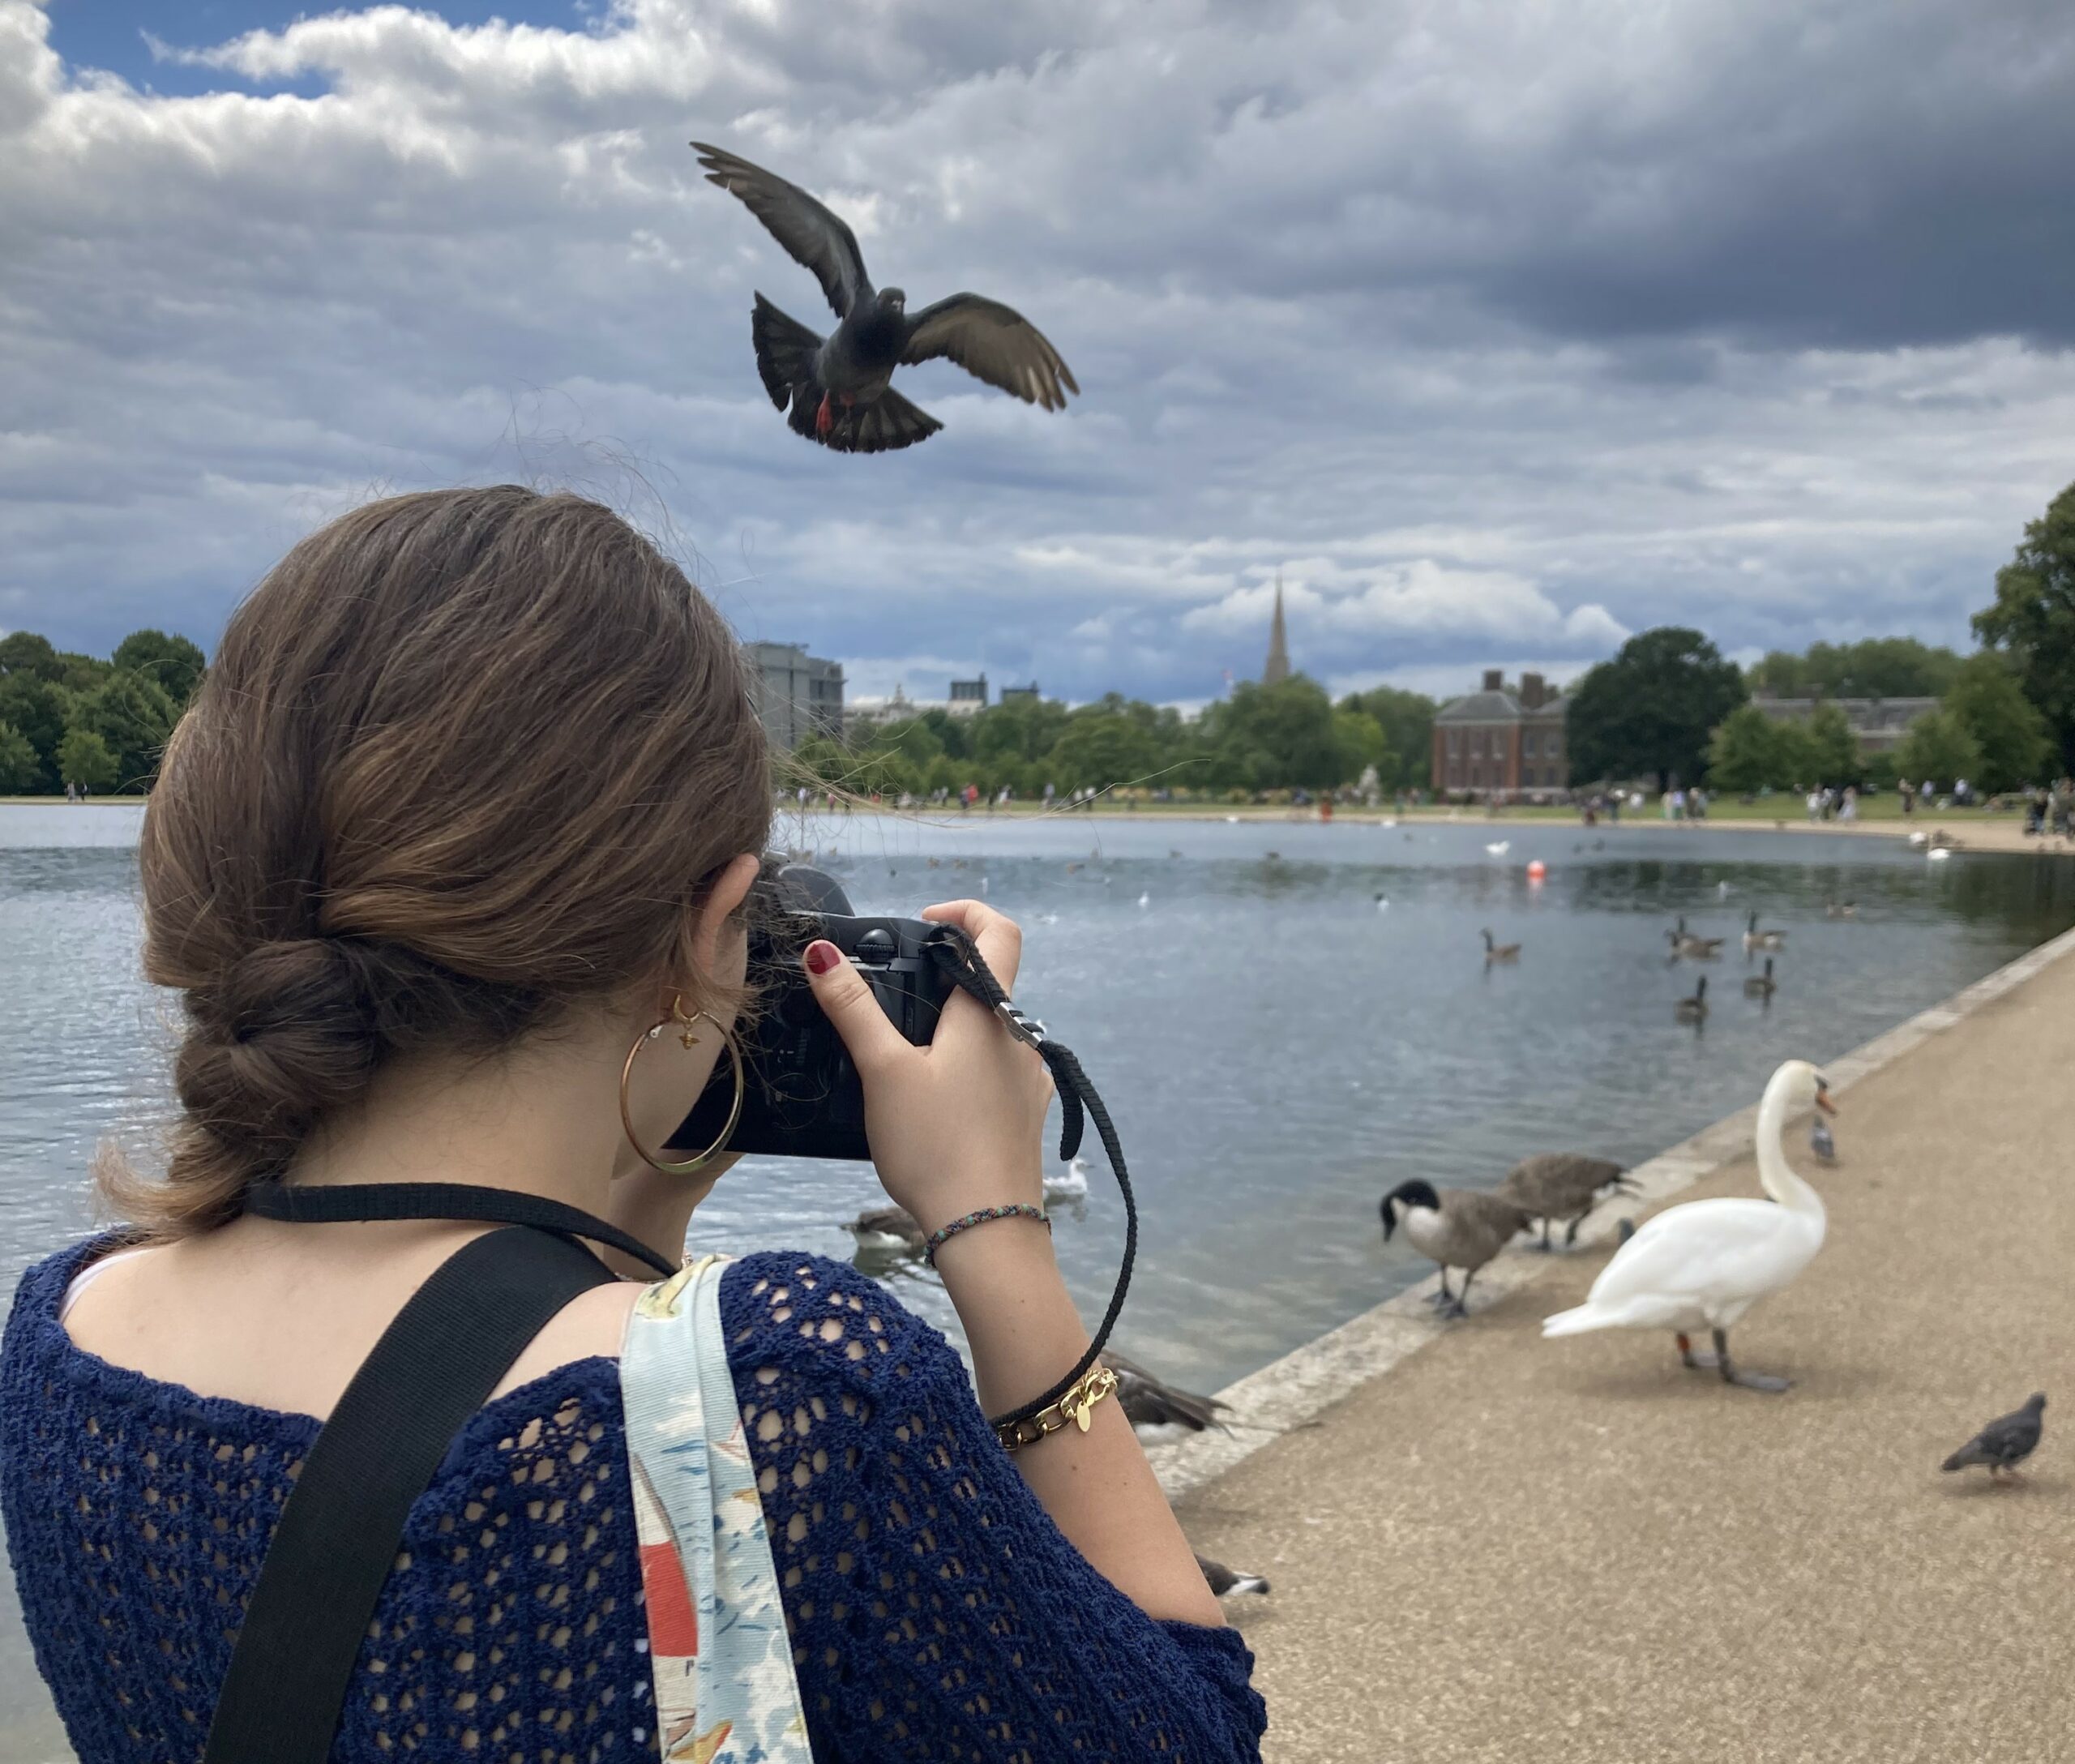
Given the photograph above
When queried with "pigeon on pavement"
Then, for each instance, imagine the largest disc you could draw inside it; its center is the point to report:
(2005, 1443)
(1225, 1582)
(836, 389)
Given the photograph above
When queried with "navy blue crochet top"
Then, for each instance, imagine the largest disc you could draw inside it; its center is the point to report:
(935, 1611)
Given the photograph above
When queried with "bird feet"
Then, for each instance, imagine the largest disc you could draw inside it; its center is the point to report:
(825, 419)
(1452, 1309)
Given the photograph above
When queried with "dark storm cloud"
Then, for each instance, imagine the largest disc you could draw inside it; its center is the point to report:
(1498, 330)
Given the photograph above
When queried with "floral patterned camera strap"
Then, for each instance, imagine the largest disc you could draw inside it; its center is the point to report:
(725, 1688)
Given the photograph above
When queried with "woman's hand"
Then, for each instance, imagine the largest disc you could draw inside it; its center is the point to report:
(957, 1125)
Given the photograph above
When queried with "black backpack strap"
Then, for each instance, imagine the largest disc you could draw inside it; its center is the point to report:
(343, 1524)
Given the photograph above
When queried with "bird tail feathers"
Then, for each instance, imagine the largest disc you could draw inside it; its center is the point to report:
(888, 421)
(785, 350)
(1579, 1321)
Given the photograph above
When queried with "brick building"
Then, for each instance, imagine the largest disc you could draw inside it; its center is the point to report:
(1503, 741)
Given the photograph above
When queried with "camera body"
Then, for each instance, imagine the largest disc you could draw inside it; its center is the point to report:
(801, 1097)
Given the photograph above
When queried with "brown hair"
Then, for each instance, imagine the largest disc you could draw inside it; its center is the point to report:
(464, 759)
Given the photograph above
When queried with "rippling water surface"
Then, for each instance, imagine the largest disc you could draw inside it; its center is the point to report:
(1279, 1045)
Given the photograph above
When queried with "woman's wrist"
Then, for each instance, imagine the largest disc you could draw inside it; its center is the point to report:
(1020, 1319)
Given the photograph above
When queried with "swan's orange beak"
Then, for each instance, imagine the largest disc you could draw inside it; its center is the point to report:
(1823, 1102)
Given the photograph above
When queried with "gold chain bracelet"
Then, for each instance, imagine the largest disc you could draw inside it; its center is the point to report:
(1097, 1382)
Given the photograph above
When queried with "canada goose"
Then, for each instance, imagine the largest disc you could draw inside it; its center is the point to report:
(1560, 1185)
(1454, 1227)
(1755, 938)
(1762, 986)
(1225, 1582)
(1694, 1009)
(887, 1231)
(1158, 1411)
(1499, 951)
(1684, 942)
(1706, 1263)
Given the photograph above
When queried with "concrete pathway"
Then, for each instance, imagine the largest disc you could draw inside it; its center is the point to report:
(1508, 1549)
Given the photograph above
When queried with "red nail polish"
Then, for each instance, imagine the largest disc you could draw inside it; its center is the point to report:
(822, 956)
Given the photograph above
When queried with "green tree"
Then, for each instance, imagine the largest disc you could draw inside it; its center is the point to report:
(36, 707)
(1878, 667)
(1407, 721)
(1987, 702)
(1743, 753)
(1938, 750)
(21, 768)
(2033, 617)
(1268, 737)
(1102, 747)
(84, 759)
(1362, 744)
(81, 672)
(24, 652)
(173, 662)
(1832, 748)
(1650, 711)
(134, 715)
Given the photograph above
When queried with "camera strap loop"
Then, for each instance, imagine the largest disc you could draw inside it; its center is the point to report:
(955, 953)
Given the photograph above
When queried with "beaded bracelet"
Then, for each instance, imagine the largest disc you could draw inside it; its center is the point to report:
(939, 1238)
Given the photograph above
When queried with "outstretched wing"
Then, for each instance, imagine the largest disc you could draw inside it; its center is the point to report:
(994, 343)
(813, 235)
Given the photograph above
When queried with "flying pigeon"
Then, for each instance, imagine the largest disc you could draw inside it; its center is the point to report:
(838, 387)
(2005, 1443)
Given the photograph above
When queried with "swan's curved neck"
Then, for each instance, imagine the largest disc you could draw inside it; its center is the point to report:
(1778, 1175)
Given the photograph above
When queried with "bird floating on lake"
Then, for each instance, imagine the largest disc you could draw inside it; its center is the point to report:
(1146, 900)
(1937, 854)
(2005, 1443)
(1762, 986)
(838, 388)
(1499, 848)
(1754, 939)
(1694, 1009)
(1497, 951)
(1454, 1228)
(1706, 1263)
(1070, 1183)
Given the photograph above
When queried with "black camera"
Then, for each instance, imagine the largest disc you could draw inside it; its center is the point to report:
(801, 1097)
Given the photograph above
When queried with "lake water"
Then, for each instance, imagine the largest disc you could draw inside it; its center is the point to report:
(1278, 1048)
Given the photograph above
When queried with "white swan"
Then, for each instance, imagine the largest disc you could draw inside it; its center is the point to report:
(1499, 848)
(1704, 1264)
(1070, 1183)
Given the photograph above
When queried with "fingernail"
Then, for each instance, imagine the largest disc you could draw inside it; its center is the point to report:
(822, 956)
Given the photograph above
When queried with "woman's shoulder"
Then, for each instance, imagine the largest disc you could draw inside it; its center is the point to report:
(787, 1309)
(39, 1297)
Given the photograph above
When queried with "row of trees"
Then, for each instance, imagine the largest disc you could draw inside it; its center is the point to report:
(98, 725)
(1288, 736)
(1670, 705)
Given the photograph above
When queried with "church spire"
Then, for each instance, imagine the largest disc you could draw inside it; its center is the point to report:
(1277, 669)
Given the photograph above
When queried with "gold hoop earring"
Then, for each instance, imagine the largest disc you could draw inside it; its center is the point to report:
(684, 1035)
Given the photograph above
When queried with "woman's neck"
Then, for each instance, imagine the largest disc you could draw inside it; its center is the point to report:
(546, 1124)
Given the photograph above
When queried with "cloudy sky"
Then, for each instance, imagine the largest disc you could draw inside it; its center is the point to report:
(1501, 329)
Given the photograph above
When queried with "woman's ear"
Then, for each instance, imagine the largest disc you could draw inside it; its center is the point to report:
(730, 887)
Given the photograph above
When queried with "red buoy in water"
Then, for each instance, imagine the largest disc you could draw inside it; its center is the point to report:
(1537, 869)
